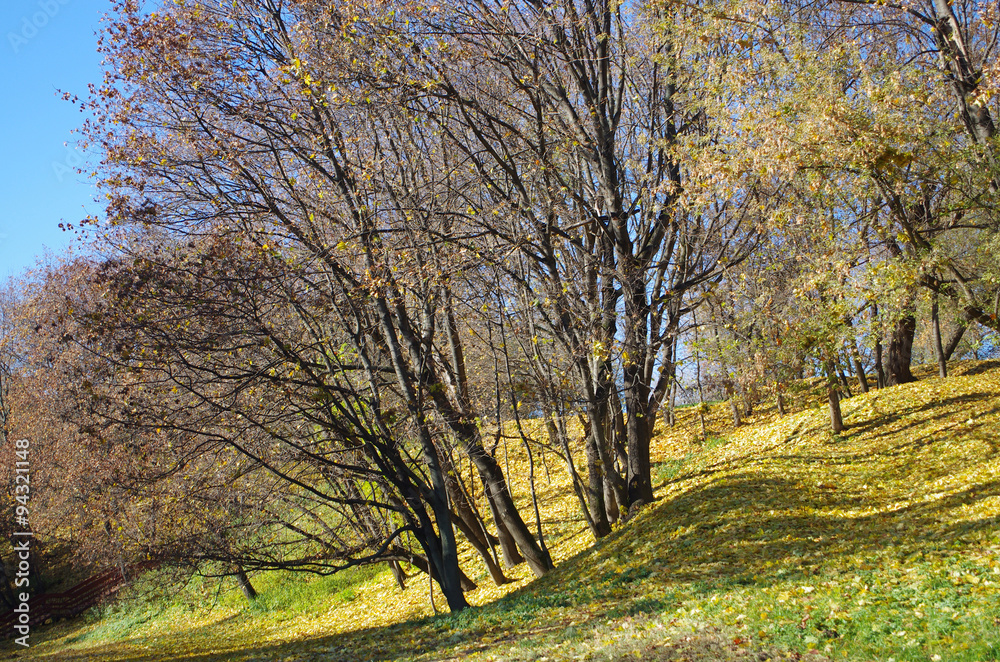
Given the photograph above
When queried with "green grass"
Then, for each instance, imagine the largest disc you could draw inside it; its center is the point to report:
(287, 595)
(774, 541)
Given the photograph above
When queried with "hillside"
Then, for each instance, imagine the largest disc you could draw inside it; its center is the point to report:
(774, 541)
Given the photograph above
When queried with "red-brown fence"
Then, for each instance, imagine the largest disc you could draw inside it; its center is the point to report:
(70, 603)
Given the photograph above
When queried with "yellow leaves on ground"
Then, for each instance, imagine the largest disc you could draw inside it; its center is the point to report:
(776, 524)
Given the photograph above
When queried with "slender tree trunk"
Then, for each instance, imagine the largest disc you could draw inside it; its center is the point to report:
(506, 512)
(935, 319)
(440, 544)
(249, 592)
(844, 382)
(467, 521)
(497, 491)
(953, 342)
(879, 365)
(619, 438)
(637, 429)
(697, 376)
(637, 390)
(474, 536)
(833, 397)
(781, 400)
(610, 500)
(508, 546)
(727, 383)
(614, 483)
(595, 469)
(398, 574)
(733, 404)
(420, 562)
(859, 366)
(674, 390)
(559, 439)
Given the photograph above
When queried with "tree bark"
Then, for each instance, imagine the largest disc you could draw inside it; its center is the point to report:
(939, 348)
(398, 574)
(859, 367)
(468, 521)
(901, 351)
(844, 382)
(506, 513)
(475, 538)
(440, 545)
(956, 338)
(733, 404)
(419, 562)
(610, 500)
(508, 546)
(833, 397)
(249, 592)
(965, 78)
(596, 475)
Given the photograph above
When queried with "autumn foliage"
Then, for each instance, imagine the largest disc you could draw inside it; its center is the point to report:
(352, 251)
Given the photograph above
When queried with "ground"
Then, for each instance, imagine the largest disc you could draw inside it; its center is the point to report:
(777, 540)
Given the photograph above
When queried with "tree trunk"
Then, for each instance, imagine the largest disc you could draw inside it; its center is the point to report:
(780, 399)
(833, 397)
(637, 391)
(558, 438)
(613, 480)
(505, 511)
(249, 592)
(610, 500)
(398, 574)
(468, 521)
(859, 367)
(439, 545)
(697, 376)
(640, 487)
(595, 470)
(879, 366)
(420, 562)
(508, 546)
(619, 438)
(637, 430)
(672, 411)
(844, 382)
(901, 351)
(475, 538)
(935, 319)
(836, 418)
(956, 338)
(733, 405)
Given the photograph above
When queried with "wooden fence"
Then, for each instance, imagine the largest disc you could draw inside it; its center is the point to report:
(70, 603)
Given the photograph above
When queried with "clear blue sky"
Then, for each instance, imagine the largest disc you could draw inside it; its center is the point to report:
(45, 46)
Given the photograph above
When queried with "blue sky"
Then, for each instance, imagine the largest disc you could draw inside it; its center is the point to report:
(45, 46)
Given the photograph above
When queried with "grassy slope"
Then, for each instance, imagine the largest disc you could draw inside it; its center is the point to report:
(774, 540)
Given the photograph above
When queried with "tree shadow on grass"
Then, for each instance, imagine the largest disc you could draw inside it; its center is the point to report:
(740, 530)
(745, 528)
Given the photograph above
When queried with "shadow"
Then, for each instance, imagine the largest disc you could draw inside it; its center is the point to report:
(748, 528)
(757, 534)
(963, 368)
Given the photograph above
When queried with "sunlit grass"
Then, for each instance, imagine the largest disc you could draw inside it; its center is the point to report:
(777, 539)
